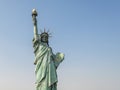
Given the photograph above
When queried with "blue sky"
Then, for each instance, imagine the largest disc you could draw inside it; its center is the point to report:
(87, 31)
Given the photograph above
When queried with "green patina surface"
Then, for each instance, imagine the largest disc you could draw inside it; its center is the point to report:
(46, 62)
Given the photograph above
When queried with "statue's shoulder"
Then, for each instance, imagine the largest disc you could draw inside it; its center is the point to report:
(49, 49)
(36, 43)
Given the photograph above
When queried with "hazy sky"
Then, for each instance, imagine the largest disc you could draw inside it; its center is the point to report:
(87, 31)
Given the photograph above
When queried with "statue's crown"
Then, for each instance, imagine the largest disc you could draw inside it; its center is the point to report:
(45, 33)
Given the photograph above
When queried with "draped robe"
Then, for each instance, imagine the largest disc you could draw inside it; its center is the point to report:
(46, 65)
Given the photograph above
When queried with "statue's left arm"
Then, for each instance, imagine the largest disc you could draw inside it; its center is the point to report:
(58, 58)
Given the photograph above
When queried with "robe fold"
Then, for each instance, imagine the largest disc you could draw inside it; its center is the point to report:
(46, 65)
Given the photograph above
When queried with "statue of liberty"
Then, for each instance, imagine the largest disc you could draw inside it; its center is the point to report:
(45, 62)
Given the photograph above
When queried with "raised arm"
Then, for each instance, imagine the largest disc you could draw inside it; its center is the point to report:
(36, 36)
(34, 14)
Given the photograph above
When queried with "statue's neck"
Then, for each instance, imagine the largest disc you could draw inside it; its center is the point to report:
(44, 43)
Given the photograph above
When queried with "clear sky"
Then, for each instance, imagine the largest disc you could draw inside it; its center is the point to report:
(87, 31)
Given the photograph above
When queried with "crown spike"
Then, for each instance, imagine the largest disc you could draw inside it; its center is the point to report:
(45, 33)
(44, 30)
(48, 31)
(41, 31)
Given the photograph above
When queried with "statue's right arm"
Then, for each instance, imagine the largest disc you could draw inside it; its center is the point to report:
(35, 27)
(36, 35)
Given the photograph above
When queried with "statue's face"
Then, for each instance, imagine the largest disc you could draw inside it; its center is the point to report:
(44, 38)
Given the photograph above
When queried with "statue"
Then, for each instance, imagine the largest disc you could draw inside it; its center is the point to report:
(46, 62)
